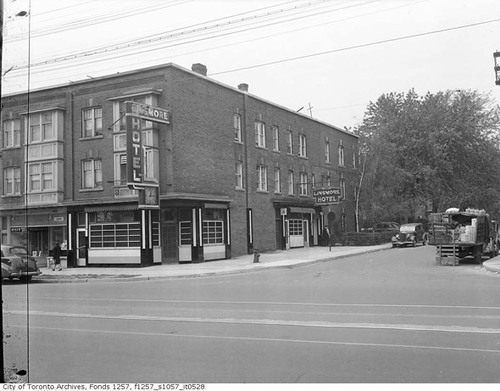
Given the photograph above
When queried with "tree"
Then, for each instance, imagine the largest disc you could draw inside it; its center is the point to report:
(431, 152)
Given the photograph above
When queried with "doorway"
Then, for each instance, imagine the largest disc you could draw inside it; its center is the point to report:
(81, 247)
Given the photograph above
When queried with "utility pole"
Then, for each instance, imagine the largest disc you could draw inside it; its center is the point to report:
(2, 369)
(496, 58)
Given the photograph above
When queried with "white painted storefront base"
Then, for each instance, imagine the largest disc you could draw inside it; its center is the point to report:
(105, 256)
(214, 252)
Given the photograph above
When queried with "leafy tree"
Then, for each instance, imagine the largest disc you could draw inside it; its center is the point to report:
(429, 153)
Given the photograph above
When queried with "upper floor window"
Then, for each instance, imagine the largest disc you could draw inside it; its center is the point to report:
(237, 127)
(41, 127)
(289, 143)
(91, 122)
(302, 145)
(12, 180)
(12, 133)
(262, 178)
(277, 180)
(260, 134)
(119, 110)
(341, 156)
(327, 152)
(303, 183)
(276, 138)
(239, 175)
(41, 176)
(342, 187)
(290, 182)
(91, 174)
(120, 169)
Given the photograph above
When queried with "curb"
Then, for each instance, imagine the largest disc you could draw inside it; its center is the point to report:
(258, 267)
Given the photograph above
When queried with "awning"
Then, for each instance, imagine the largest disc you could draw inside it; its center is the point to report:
(111, 208)
(302, 210)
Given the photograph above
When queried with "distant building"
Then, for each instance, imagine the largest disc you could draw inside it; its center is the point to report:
(229, 173)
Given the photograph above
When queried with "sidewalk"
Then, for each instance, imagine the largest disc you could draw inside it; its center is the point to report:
(270, 260)
(244, 263)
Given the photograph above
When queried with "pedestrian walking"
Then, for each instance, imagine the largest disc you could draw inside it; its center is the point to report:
(326, 236)
(56, 254)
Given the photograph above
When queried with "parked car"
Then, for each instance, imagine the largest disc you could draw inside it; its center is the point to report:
(16, 263)
(410, 234)
(386, 226)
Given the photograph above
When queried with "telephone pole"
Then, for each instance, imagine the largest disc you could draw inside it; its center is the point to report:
(496, 58)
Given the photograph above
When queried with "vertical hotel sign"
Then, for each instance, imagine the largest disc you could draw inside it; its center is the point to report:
(134, 113)
(134, 147)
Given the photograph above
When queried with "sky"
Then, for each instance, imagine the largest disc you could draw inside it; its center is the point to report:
(327, 58)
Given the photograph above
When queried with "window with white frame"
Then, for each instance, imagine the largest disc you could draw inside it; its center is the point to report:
(289, 143)
(213, 232)
(327, 152)
(290, 182)
(41, 127)
(237, 127)
(91, 174)
(302, 145)
(341, 155)
(239, 175)
(261, 178)
(41, 176)
(119, 112)
(276, 138)
(12, 180)
(120, 169)
(277, 180)
(12, 133)
(91, 122)
(342, 187)
(303, 184)
(260, 134)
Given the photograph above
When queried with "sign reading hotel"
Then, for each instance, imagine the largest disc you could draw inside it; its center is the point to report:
(134, 148)
(327, 196)
(134, 113)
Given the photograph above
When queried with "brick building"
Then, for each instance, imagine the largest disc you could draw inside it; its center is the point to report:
(228, 174)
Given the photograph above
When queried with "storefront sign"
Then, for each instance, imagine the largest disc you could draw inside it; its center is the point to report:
(326, 196)
(149, 113)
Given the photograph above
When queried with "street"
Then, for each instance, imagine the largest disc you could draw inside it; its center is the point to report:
(389, 316)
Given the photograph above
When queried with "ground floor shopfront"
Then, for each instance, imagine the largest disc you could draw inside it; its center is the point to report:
(179, 231)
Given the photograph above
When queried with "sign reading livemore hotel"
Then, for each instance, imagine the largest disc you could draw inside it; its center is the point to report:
(149, 113)
(325, 196)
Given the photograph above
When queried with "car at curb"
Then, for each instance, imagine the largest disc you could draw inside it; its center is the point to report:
(410, 235)
(16, 263)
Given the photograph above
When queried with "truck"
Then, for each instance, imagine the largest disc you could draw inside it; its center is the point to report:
(459, 234)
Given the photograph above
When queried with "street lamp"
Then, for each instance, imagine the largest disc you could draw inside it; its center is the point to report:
(496, 57)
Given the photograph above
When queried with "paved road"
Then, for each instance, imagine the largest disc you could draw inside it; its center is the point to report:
(389, 316)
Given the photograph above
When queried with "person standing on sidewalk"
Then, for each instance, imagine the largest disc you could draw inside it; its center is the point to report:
(56, 254)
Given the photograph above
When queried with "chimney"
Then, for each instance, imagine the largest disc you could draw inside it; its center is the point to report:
(243, 87)
(199, 68)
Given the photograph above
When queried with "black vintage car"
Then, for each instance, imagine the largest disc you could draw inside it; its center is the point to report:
(16, 263)
(410, 234)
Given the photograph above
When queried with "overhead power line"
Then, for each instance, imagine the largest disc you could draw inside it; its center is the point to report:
(357, 46)
(180, 34)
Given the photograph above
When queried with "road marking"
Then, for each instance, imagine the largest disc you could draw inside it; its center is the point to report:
(86, 299)
(261, 339)
(268, 322)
